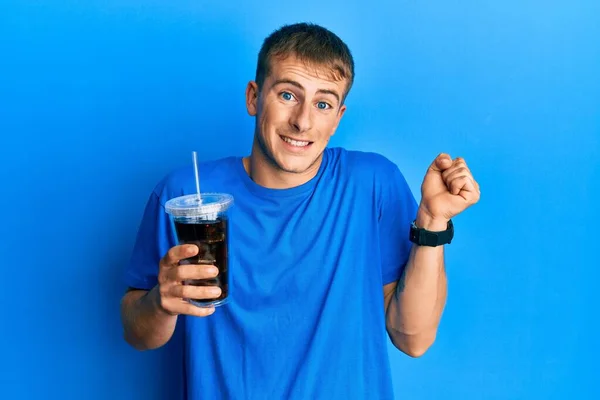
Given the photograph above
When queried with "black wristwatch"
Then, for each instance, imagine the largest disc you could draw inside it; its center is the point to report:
(423, 237)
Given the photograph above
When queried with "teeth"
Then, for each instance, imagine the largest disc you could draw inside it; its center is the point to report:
(296, 143)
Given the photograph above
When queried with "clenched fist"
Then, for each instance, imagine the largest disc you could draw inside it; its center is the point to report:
(447, 190)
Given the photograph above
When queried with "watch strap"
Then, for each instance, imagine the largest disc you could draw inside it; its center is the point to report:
(423, 237)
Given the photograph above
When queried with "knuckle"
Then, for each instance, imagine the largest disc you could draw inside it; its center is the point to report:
(180, 273)
(163, 263)
(181, 292)
(186, 291)
(163, 278)
(164, 302)
(163, 292)
(171, 254)
(167, 291)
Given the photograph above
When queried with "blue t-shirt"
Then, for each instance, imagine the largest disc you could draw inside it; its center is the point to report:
(308, 264)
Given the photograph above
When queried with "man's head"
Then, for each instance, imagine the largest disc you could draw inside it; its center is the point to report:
(303, 76)
(311, 44)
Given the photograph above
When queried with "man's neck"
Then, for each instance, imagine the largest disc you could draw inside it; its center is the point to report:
(262, 171)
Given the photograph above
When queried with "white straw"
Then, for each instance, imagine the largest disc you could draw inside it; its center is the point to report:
(195, 158)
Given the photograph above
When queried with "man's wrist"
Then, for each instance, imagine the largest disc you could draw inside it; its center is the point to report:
(426, 221)
(153, 297)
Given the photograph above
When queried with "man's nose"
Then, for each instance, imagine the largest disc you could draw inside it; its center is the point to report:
(300, 119)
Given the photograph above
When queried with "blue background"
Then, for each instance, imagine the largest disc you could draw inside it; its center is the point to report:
(99, 99)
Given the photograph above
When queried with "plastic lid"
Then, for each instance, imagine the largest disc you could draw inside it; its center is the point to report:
(188, 205)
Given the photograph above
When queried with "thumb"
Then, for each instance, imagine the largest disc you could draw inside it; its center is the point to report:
(442, 162)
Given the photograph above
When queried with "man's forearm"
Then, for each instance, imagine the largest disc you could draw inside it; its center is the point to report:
(416, 306)
(145, 325)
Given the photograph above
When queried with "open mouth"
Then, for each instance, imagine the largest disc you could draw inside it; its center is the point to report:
(296, 143)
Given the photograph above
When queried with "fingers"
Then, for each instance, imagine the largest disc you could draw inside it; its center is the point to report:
(193, 271)
(458, 178)
(457, 169)
(461, 183)
(173, 293)
(457, 163)
(195, 292)
(173, 280)
(190, 309)
(173, 298)
(464, 187)
(178, 253)
(175, 306)
(458, 173)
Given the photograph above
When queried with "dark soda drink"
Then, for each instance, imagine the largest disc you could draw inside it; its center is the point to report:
(211, 239)
(203, 220)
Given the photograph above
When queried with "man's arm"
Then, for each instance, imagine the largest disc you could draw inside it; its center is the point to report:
(149, 317)
(415, 303)
(145, 325)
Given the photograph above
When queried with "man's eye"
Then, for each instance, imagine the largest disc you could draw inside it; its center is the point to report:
(287, 96)
(323, 106)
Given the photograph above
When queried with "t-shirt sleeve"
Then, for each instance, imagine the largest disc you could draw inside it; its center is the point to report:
(398, 208)
(154, 238)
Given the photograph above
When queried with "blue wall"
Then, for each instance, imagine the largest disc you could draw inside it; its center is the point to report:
(99, 99)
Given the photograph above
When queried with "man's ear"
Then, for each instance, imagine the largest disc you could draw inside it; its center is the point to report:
(252, 98)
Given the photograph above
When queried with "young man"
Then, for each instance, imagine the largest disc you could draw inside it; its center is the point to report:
(321, 259)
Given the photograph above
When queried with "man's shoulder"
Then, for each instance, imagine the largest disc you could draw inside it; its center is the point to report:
(361, 163)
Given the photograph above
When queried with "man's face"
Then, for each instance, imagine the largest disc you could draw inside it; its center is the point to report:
(298, 109)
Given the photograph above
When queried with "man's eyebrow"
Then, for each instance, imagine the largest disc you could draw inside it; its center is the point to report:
(331, 92)
(289, 81)
(299, 86)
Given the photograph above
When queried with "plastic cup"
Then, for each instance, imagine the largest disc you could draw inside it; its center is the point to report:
(204, 222)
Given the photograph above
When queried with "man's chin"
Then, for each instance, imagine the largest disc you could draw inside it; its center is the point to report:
(294, 169)
(295, 164)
